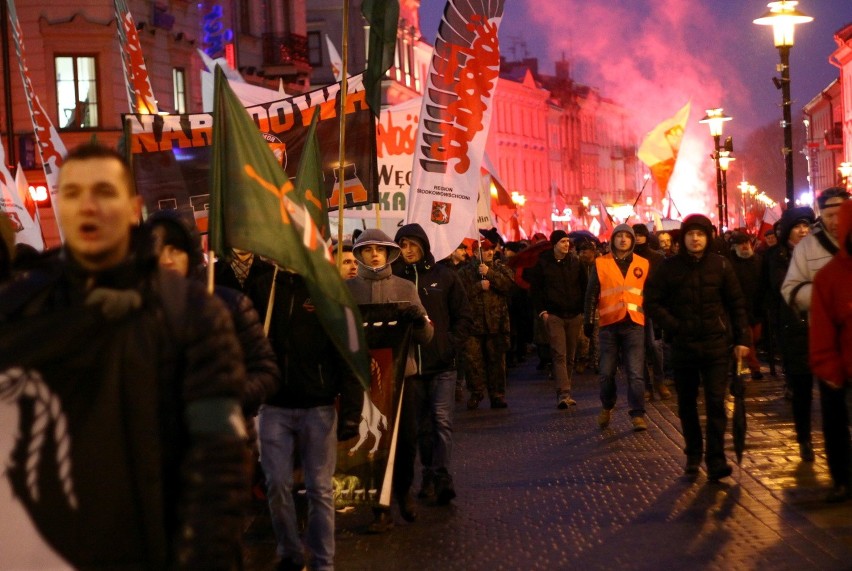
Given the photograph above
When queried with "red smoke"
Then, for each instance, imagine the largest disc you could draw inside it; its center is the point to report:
(650, 56)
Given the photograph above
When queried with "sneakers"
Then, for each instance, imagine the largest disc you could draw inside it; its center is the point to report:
(473, 401)
(382, 523)
(604, 418)
(289, 564)
(565, 401)
(407, 508)
(639, 423)
(499, 402)
(427, 487)
(663, 391)
(806, 452)
(444, 487)
(719, 473)
(692, 465)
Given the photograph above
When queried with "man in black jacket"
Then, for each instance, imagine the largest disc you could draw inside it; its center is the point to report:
(558, 283)
(696, 299)
(302, 414)
(444, 299)
(139, 373)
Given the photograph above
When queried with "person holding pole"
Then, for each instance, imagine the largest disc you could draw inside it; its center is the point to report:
(375, 283)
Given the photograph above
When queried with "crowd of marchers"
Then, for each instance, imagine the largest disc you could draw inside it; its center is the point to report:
(246, 383)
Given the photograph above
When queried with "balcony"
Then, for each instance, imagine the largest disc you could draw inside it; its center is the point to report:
(285, 55)
(834, 137)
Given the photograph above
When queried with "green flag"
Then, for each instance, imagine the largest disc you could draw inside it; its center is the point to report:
(310, 188)
(254, 207)
(383, 17)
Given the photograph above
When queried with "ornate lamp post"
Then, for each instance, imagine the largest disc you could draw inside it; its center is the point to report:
(715, 119)
(783, 17)
(726, 157)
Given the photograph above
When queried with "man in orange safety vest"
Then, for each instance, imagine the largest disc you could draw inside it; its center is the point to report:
(615, 290)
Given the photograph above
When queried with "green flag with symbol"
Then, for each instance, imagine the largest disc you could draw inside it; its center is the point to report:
(254, 207)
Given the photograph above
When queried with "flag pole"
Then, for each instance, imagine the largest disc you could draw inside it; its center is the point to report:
(344, 88)
(268, 319)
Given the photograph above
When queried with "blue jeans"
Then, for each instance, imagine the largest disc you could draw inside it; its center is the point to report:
(629, 338)
(315, 431)
(435, 405)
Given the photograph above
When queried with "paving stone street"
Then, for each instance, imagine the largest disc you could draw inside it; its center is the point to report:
(541, 488)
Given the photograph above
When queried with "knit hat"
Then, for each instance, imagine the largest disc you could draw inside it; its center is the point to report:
(834, 196)
(486, 244)
(557, 235)
(791, 218)
(641, 230)
(738, 237)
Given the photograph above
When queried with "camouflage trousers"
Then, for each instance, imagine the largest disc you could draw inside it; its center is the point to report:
(485, 364)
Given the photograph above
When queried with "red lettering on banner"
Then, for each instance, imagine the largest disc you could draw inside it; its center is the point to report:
(475, 81)
(397, 140)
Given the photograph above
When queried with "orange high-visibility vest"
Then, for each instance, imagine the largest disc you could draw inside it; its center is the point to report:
(621, 295)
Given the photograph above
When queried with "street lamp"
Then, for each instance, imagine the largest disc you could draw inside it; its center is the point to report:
(726, 157)
(845, 170)
(783, 17)
(715, 119)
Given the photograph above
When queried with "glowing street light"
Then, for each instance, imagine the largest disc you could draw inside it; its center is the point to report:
(715, 119)
(783, 17)
(845, 170)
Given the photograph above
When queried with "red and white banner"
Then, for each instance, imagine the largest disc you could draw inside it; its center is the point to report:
(140, 96)
(51, 149)
(27, 230)
(454, 123)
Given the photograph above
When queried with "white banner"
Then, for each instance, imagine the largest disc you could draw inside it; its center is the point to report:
(27, 231)
(455, 116)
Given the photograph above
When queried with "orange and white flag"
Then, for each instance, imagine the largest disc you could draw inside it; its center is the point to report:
(660, 148)
(454, 123)
(51, 149)
(140, 96)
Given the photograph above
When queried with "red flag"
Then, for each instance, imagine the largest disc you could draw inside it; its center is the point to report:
(140, 96)
(51, 149)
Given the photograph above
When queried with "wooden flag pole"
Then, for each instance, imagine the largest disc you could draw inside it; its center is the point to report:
(344, 88)
(269, 304)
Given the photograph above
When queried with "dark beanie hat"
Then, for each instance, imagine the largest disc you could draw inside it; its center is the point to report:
(641, 230)
(557, 235)
(738, 237)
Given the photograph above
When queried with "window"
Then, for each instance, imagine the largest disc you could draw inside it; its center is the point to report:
(77, 92)
(179, 84)
(315, 49)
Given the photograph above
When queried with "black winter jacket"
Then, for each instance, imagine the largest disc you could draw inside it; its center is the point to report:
(445, 300)
(791, 326)
(558, 286)
(262, 374)
(150, 374)
(312, 371)
(750, 276)
(700, 307)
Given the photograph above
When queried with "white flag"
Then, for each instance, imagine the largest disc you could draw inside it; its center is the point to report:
(454, 123)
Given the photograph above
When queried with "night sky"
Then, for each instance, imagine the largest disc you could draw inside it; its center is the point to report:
(652, 56)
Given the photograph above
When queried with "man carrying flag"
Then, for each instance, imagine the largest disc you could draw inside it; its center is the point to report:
(315, 327)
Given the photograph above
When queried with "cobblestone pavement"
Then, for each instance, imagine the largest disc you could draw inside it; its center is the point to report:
(541, 488)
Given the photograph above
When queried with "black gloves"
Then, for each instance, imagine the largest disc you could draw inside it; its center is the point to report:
(415, 314)
(588, 329)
